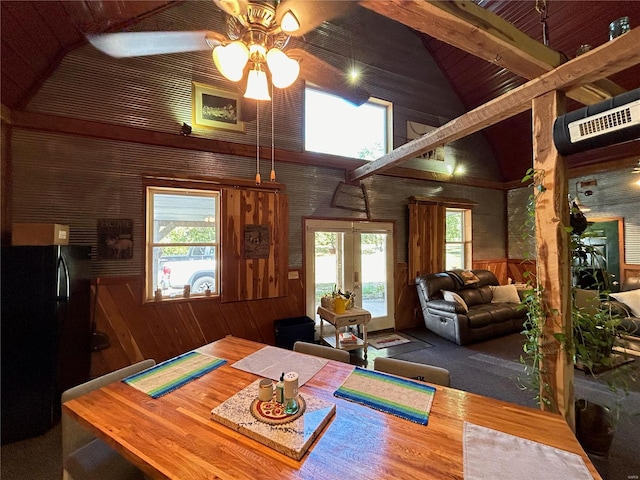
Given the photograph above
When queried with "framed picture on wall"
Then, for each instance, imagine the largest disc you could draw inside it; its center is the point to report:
(416, 130)
(215, 108)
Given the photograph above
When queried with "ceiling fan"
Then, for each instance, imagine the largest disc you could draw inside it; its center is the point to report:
(253, 46)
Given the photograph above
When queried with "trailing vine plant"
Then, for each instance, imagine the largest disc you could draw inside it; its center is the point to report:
(535, 345)
(593, 334)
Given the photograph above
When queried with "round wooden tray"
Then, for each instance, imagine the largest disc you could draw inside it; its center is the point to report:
(272, 412)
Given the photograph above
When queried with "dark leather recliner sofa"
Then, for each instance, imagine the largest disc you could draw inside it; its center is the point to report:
(482, 321)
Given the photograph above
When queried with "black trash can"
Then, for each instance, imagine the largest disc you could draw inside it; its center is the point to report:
(289, 330)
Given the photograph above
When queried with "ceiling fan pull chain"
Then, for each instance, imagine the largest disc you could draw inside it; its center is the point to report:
(273, 168)
(541, 8)
(258, 143)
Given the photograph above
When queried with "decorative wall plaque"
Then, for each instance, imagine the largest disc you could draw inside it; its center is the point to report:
(256, 241)
(115, 239)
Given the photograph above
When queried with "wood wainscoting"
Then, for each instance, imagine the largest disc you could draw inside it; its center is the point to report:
(506, 269)
(162, 330)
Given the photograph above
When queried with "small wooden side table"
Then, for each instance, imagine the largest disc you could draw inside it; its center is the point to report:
(353, 316)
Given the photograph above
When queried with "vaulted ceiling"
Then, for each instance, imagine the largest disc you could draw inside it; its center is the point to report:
(36, 35)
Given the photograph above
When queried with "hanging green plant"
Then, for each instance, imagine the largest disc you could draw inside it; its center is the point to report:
(595, 331)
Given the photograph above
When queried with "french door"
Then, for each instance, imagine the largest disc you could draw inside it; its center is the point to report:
(355, 256)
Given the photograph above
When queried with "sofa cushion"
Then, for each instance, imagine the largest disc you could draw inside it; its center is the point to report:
(479, 317)
(476, 296)
(631, 299)
(505, 294)
(454, 297)
(430, 286)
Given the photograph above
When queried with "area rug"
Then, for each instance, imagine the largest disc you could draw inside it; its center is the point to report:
(386, 341)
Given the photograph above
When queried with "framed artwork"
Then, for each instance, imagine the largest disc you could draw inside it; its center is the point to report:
(416, 130)
(115, 239)
(215, 108)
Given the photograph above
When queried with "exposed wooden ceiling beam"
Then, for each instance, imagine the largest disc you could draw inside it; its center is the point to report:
(607, 59)
(480, 32)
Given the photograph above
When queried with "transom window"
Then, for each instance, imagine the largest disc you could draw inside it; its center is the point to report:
(335, 126)
(458, 239)
(183, 251)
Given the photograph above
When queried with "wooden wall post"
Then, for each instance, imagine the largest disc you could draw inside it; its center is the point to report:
(552, 247)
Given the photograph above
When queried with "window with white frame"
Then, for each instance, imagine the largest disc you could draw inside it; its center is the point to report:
(183, 251)
(335, 126)
(458, 239)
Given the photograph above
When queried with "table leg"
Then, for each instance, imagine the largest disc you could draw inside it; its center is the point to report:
(364, 339)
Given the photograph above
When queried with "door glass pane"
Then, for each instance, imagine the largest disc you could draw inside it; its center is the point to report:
(374, 289)
(329, 263)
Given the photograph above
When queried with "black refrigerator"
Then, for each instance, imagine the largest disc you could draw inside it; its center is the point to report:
(46, 330)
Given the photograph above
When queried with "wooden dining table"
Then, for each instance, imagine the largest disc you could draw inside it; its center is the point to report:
(174, 436)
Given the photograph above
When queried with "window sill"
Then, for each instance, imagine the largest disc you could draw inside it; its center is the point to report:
(179, 298)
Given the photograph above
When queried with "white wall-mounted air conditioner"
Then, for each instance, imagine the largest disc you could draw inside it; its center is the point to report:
(615, 120)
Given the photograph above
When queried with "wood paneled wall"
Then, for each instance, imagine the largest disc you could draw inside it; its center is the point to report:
(628, 270)
(506, 269)
(165, 329)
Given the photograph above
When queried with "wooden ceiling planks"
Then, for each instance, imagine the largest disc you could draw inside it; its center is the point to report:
(601, 62)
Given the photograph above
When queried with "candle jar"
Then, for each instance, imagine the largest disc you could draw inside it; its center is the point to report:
(584, 48)
(619, 27)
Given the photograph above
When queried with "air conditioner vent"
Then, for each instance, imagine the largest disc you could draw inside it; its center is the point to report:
(609, 121)
(612, 121)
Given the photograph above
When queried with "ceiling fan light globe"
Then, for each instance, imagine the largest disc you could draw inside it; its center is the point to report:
(289, 22)
(284, 70)
(257, 85)
(231, 59)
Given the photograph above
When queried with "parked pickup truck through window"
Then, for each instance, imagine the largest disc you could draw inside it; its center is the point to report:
(196, 268)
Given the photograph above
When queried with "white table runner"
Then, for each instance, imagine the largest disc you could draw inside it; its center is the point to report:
(271, 362)
(492, 454)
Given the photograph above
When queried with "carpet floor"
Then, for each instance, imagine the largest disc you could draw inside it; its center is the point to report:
(492, 368)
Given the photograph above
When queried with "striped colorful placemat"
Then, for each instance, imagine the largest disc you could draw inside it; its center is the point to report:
(174, 373)
(399, 396)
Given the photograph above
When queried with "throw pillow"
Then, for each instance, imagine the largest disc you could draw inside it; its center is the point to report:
(631, 299)
(505, 294)
(454, 297)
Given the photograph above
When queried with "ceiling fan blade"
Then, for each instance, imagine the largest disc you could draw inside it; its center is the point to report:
(232, 7)
(311, 14)
(328, 77)
(136, 44)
